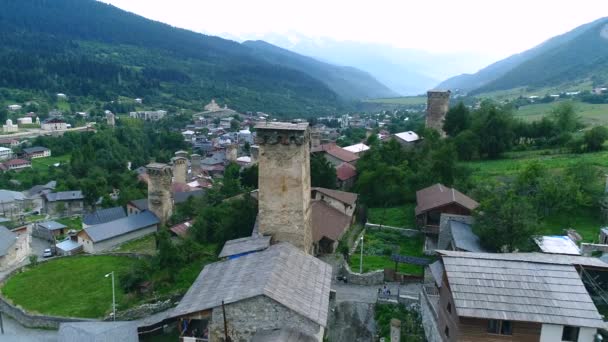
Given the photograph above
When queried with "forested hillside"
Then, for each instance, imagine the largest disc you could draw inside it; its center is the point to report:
(88, 48)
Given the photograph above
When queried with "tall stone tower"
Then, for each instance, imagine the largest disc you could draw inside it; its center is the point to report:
(180, 169)
(315, 138)
(195, 165)
(284, 183)
(111, 119)
(232, 152)
(438, 103)
(160, 198)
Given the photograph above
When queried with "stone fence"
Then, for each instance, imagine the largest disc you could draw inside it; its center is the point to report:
(369, 278)
(588, 248)
(403, 231)
(429, 317)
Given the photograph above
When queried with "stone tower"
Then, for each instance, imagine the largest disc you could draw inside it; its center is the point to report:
(180, 169)
(160, 198)
(182, 154)
(315, 138)
(111, 119)
(195, 165)
(232, 152)
(438, 103)
(284, 183)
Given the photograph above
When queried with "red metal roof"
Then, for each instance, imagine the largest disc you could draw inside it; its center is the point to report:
(346, 171)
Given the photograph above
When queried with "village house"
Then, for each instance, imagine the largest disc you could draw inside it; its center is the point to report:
(137, 206)
(9, 142)
(511, 297)
(69, 246)
(16, 164)
(24, 121)
(332, 214)
(13, 247)
(346, 175)
(103, 216)
(456, 234)
(181, 229)
(64, 203)
(49, 230)
(335, 154)
(9, 127)
(13, 203)
(36, 152)
(5, 153)
(149, 115)
(54, 124)
(280, 287)
(105, 236)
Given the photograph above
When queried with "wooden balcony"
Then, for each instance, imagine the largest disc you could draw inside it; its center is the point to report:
(430, 229)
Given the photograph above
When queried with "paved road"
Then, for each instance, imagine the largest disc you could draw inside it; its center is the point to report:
(368, 294)
(13, 332)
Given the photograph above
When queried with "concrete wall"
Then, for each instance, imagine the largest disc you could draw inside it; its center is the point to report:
(284, 186)
(102, 246)
(553, 332)
(258, 313)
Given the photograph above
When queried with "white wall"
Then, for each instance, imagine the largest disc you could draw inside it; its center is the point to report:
(553, 333)
(587, 335)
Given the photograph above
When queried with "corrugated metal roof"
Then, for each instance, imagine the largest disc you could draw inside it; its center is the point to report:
(245, 245)
(7, 240)
(557, 245)
(64, 196)
(68, 245)
(357, 148)
(35, 149)
(104, 215)
(491, 288)
(409, 136)
(52, 225)
(282, 272)
(105, 231)
(463, 237)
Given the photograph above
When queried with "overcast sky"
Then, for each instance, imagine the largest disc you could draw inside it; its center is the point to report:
(487, 27)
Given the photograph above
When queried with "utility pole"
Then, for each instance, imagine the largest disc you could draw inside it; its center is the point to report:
(113, 296)
(361, 259)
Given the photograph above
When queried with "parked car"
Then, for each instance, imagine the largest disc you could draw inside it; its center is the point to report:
(47, 253)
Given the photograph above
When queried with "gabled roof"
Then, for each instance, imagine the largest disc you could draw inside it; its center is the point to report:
(282, 273)
(64, 196)
(182, 196)
(439, 195)
(346, 171)
(532, 257)
(436, 269)
(516, 290)
(125, 225)
(463, 237)
(342, 154)
(7, 240)
(181, 229)
(104, 215)
(35, 149)
(327, 221)
(16, 162)
(245, 245)
(52, 225)
(349, 198)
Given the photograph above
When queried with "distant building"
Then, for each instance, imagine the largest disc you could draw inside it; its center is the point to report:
(139, 101)
(357, 149)
(14, 107)
(5, 153)
(335, 154)
(346, 175)
(9, 127)
(54, 124)
(25, 121)
(105, 236)
(149, 115)
(407, 138)
(9, 142)
(36, 152)
(17, 164)
(71, 201)
(103, 216)
(62, 96)
(49, 230)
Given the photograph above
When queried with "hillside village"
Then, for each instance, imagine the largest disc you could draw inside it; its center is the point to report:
(316, 263)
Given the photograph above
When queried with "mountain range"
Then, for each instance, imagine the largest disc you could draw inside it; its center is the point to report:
(91, 49)
(569, 59)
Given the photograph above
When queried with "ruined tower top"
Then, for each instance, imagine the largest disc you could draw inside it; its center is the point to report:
(438, 102)
(284, 183)
(182, 154)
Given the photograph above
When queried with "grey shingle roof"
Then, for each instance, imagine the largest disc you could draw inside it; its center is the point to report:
(35, 149)
(463, 237)
(64, 196)
(532, 257)
(141, 204)
(104, 215)
(10, 196)
(436, 269)
(52, 225)
(182, 196)
(98, 332)
(528, 291)
(121, 226)
(282, 272)
(244, 245)
(7, 240)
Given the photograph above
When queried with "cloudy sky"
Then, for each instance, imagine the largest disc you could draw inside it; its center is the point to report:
(486, 27)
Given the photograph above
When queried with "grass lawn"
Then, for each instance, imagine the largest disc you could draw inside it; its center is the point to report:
(71, 287)
(591, 114)
(74, 222)
(402, 216)
(406, 100)
(144, 245)
(586, 222)
(378, 247)
(44, 163)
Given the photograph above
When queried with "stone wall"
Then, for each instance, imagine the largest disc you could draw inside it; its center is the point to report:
(258, 313)
(369, 278)
(35, 321)
(588, 248)
(429, 319)
(160, 198)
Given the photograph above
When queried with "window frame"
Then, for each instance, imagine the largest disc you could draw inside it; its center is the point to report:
(576, 330)
(500, 327)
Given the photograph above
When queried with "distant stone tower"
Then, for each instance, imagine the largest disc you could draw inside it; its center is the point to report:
(195, 165)
(438, 103)
(232, 152)
(254, 150)
(284, 183)
(315, 138)
(160, 198)
(111, 119)
(180, 170)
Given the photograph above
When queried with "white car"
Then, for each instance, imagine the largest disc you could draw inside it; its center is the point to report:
(47, 253)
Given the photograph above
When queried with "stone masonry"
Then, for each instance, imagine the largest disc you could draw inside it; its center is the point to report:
(284, 183)
(195, 165)
(180, 170)
(438, 102)
(246, 317)
(160, 198)
(232, 152)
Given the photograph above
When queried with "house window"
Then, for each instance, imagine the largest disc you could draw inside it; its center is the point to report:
(570, 333)
(500, 327)
(450, 307)
(447, 331)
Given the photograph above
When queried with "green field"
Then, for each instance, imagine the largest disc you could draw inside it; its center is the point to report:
(402, 216)
(144, 245)
(591, 114)
(406, 100)
(44, 163)
(70, 287)
(379, 245)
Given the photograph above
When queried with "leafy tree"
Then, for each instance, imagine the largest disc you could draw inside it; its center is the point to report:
(249, 177)
(505, 221)
(565, 118)
(467, 145)
(231, 184)
(494, 127)
(457, 119)
(322, 172)
(594, 139)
